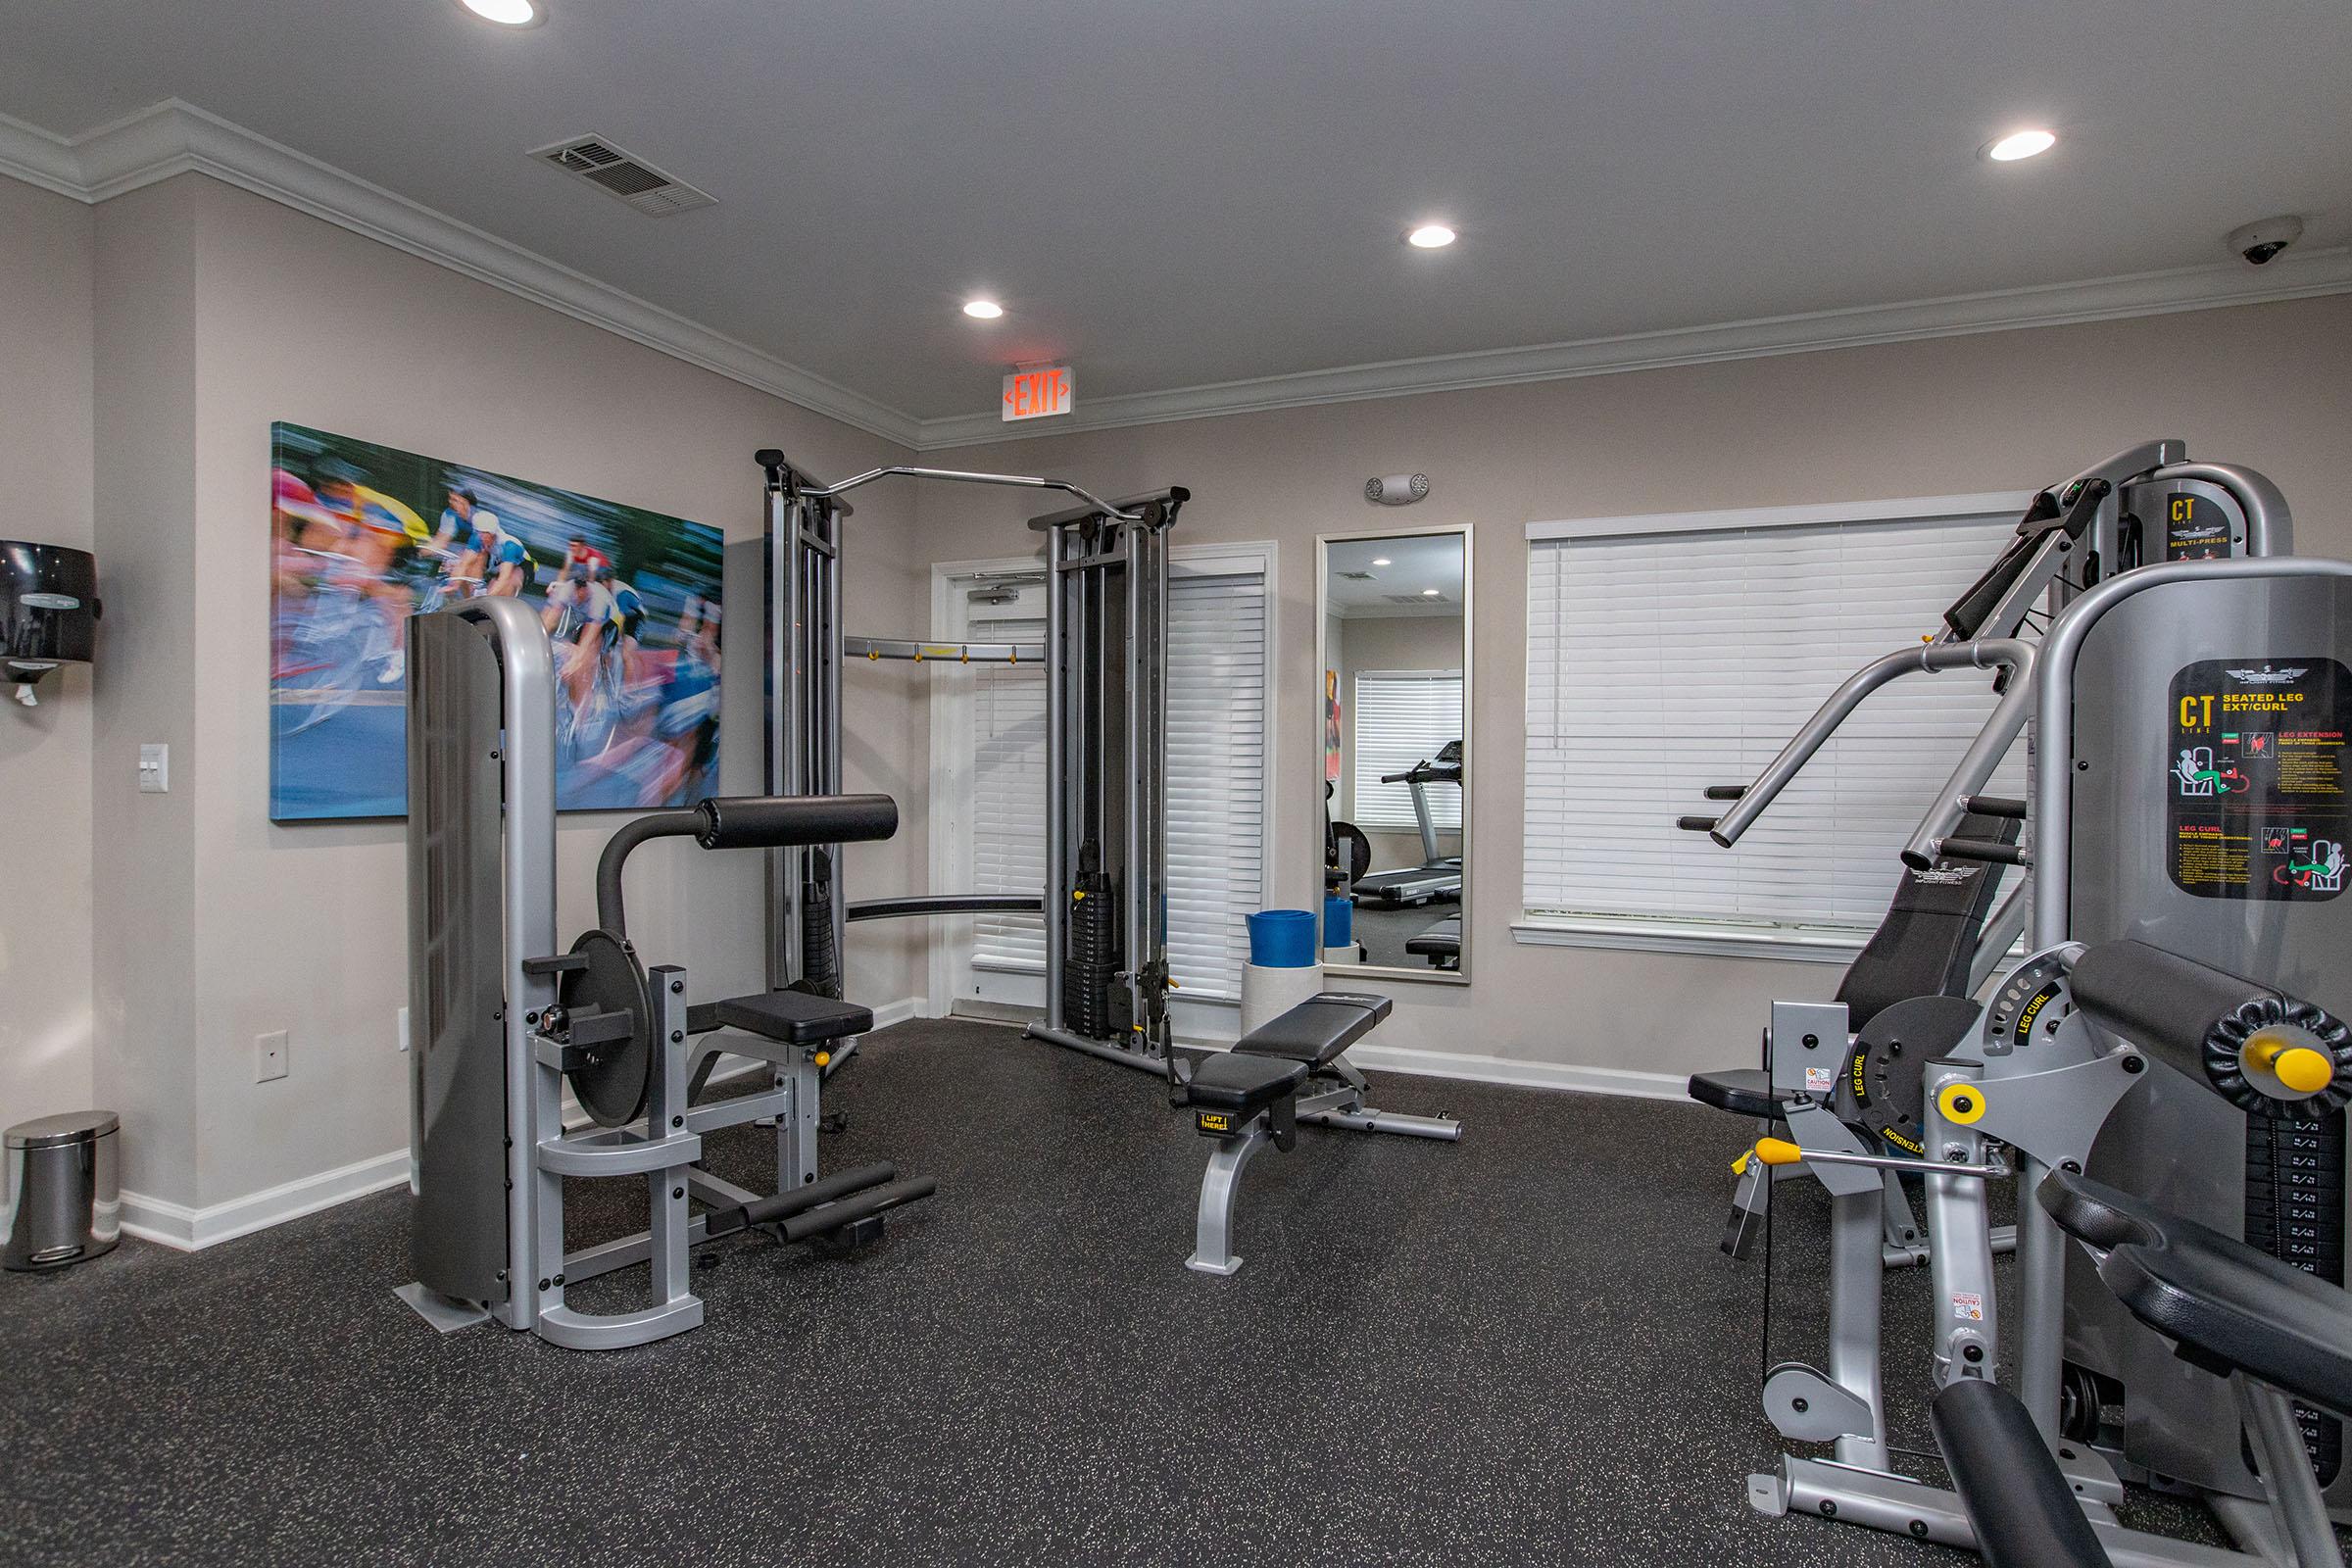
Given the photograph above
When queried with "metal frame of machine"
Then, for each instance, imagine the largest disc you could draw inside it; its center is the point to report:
(504, 1021)
(2026, 1078)
(1106, 657)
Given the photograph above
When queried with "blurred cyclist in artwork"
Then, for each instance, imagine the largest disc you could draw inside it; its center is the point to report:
(353, 571)
(469, 532)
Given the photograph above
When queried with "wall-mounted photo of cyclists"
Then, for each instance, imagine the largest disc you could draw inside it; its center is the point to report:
(364, 535)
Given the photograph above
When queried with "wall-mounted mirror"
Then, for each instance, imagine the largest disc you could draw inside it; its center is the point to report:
(1395, 666)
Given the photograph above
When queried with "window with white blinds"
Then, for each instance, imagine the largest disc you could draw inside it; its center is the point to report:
(1661, 662)
(1216, 776)
(1403, 717)
(1216, 780)
(1008, 792)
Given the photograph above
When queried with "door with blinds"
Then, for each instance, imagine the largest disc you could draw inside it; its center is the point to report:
(988, 817)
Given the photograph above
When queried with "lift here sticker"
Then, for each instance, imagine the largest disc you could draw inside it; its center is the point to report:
(2256, 781)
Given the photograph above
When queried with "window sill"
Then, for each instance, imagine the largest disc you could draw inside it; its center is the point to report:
(1814, 945)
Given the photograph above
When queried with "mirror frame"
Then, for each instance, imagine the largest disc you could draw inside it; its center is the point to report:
(1323, 544)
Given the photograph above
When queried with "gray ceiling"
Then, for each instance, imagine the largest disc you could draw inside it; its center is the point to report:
(1190, 191)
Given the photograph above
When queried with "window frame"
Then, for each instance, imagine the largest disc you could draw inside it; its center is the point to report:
(1727, 937)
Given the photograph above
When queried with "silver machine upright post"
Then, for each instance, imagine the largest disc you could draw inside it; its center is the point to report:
(1106, 969)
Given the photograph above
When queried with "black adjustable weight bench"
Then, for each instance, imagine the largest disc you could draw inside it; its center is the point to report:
(1251, 1096)
(1441, 943)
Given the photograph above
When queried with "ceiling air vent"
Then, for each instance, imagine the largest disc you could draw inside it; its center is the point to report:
(616, 173)
(1413, 599)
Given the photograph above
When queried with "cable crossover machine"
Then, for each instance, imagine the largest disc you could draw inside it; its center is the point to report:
(1106, 656)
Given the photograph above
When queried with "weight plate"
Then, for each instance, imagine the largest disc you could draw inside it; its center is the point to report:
(612, 1084)
(1885, 1093)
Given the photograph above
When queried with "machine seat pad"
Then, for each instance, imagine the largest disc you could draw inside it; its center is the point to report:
(1741, 1091)
(1243, 1084)
(1441, 941)
(2018, 1501)
(1318, 1029)
(794, 1017)
(2227, 1306)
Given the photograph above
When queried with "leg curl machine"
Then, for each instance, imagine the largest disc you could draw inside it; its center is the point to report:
(504, 1022)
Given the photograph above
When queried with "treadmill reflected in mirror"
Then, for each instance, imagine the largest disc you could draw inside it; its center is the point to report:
(1438, 875)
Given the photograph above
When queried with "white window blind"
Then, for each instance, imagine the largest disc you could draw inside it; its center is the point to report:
(1403, 717)
(1659, 664)
(1009, 792)
(1216, 759)
(1216, 776)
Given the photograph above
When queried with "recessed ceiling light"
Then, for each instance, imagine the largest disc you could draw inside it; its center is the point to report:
(1429, 593)
(508, 12)
(2021, 144)
(1382, 560)
(983, 310)
(1430, 236)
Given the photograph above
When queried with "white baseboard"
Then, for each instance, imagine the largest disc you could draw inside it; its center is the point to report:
(1523, 1074)
(189, 1230)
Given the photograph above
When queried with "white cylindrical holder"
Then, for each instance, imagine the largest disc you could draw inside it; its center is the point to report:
(1268, 994)
(1345, 954)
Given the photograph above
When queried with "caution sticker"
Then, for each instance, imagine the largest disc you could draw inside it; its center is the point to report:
(1820, 1080)
(1968, 1306)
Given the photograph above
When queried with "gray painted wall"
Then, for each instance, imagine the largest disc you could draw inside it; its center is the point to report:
(46, 477)
(2267, 385)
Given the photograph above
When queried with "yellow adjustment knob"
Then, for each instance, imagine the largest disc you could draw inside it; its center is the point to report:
(824, 1058)
(1778, 1152)
(1740, 1165)
(2299, 1067)
(1962, 1103)
(1077, 897)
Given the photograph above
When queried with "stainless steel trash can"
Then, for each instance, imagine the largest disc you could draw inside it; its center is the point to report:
(63, 1192)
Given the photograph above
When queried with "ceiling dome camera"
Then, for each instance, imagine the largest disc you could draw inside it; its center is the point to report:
(2260, 242)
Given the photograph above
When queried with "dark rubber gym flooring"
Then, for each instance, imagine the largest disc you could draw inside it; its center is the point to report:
(1520, 1348)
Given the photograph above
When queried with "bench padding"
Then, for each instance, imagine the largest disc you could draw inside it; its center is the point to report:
(2018, 1501)
(1441, 941)
(1243, 1084)
(794, 1017)
(1318, 1030)
(1741, 1091)
(2227, 1306)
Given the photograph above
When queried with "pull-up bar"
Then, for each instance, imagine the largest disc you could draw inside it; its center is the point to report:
(1017, 481)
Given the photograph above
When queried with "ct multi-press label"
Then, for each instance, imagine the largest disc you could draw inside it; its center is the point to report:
(2256, 780)
(2195, 528)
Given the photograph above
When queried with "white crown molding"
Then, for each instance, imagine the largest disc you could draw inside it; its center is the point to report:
(173, 139)
(176, 139)
(2197, 288)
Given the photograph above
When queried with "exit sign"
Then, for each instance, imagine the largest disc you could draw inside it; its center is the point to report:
(1036, 394)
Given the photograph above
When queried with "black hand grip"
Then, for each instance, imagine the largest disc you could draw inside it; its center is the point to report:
(1724, 792)
(781, 821)
(1697, 824)
(1993, 852)
(1994, 806)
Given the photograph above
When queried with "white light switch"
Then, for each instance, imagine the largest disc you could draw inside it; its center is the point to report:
(155, 768)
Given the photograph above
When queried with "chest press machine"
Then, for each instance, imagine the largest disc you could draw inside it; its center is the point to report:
(1292, 1070)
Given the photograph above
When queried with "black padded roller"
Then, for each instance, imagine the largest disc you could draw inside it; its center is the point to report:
(2019, 1505)
(782, 821)
(2196, 1019)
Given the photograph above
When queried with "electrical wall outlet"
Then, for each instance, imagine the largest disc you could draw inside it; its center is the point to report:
(269, 1056)
(155, 768)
